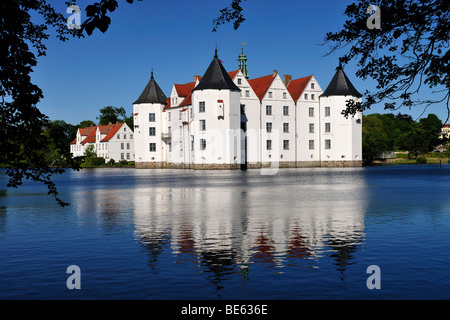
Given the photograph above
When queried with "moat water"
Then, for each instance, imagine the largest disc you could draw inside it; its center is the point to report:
(181, 234)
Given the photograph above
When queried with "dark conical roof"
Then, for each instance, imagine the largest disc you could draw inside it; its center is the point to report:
(152, 93)
(216, 77)
(340, 85)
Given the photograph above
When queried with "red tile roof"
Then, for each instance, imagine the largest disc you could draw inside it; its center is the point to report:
(90, 133)
(446, 126)
(233, 74)
(297, 86)
(187, 101)
(90, 137)
(261, 85)
(184, 89)
(110, 130)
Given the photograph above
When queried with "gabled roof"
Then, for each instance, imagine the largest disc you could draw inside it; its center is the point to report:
(216, 77)
(184, 89)
(297, 86)
(340, 85)
(90, 137)
(262, 84)
(152, 93)
(110, 130)
(233, 74)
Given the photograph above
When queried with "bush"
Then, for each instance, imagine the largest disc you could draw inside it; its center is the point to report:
(94, 161)
(421, 160)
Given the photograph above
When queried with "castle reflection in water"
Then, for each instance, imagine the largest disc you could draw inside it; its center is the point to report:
(228, 225)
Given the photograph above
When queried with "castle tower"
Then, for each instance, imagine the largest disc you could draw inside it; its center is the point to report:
(216, 119)
(242, 63)
(340, 137)
(148, 125)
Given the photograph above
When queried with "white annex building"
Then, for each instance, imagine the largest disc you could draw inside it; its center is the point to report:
(223, 120)
(113, 141)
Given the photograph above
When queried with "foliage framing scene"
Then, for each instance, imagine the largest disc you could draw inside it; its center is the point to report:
(405, 57)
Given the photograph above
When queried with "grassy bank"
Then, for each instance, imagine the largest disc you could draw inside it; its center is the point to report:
(402, 158)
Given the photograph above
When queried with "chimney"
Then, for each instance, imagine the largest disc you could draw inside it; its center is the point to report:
(286, 79)
(275, 72)
(196, 78)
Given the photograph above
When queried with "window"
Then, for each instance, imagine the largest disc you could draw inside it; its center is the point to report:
(122, 156)
(306, 96)
(128, 156)
(124, 136)
(201, 106)
(151, 117)
(270, 94)
(269, 144)
(269, 126)
(312, 96)
(131, 136)
(327, 127)
(180, 115)
(284, 95)
(327, 111)
(239, 81)
(152, 147)
(170, 146)
(311, 111)
(242, 108)
(202, 125)
(285, 127)
(181, 145)
(191, 111)
(121, 146)
(128, 146)
(311, 144)
(285, 144)
(285, 110)
(247, 93)
(152, 131)
(269, 110)
(202, 144)
(169, 116)
(311, 128)
(118, 136)
(124, 129)
(312, 85)
(327, 144)
(169, 130)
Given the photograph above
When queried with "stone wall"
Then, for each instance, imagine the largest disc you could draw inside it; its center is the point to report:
(256, 165)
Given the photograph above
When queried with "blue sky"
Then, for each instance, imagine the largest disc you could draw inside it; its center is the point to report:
(175, 39)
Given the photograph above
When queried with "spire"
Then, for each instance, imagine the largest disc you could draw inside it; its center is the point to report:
(152, 93)
(242, 59)
(340, 85)
(216, 77)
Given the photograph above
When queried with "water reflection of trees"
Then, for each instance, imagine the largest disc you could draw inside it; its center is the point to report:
(225, 231)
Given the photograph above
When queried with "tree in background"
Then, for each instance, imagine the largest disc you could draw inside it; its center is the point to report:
(408, 54)
(111, 114)
(374, 138)
(386, 132)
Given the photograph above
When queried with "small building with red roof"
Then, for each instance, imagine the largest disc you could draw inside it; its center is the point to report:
(112, 141)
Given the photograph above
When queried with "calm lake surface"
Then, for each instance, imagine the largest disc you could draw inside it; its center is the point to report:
(180, 234)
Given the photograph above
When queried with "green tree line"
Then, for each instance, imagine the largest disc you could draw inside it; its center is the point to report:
(389, 132)
(58, 135)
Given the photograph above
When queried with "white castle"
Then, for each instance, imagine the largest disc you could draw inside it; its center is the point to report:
(223, 120)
